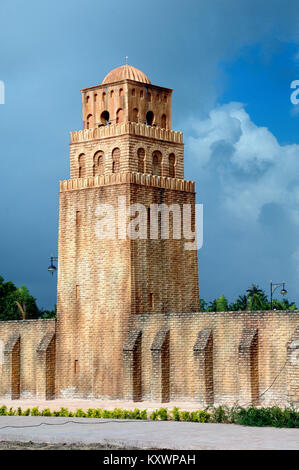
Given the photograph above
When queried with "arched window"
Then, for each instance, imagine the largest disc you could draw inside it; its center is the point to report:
(165, 98)
(103, 96)
(133, 92)
(105, 118)
(141, 158)
(141, 94)
(171, 160)
(99, 162)
(95, 97)
(163, 121)
(157, 163)
(119, 116)
(89, 121)
(149, 118)
(87, 99)
(149, 96)
(82, 164)
(121, 92)
(111, 94)
(135, 115)
(116, 160)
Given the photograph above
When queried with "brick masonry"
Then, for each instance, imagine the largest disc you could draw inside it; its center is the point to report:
(128, 323)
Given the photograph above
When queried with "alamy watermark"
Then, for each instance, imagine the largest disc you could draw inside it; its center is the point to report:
(156, 222)
(2, 92)
(294, 95)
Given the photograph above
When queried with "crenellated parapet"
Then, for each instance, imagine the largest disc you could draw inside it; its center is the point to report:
(128, 177)
(138, 129)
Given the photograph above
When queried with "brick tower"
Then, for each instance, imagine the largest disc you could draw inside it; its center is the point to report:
(126, 152)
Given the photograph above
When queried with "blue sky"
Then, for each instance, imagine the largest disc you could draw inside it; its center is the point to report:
(230, 65)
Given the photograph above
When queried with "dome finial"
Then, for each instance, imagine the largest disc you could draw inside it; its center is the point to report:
(127, 58)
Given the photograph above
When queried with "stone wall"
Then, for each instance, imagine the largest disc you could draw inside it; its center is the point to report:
(27, 359)
(101, 283)
(209, 358)
(222, 358)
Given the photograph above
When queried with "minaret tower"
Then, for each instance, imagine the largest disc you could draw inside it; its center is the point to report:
(126, 153)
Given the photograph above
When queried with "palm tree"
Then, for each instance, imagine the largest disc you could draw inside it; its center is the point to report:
(241, 302)
(257, 299)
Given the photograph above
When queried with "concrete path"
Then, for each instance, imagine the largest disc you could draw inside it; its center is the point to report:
(146, 434)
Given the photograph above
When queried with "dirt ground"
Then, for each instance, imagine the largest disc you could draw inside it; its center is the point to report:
(6, 445)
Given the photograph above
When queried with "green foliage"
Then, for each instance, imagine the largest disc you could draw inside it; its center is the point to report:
(161, 414)
(11, 412)
(251, 416)
(271, 416)
(45, 314)
(79, 413)
(3, 411)
(14, 300)
(253, 299)
(175, 414)
(35, 412)
(221, 414)
(221, 304)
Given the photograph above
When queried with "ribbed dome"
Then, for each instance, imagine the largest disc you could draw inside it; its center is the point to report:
(125, 72)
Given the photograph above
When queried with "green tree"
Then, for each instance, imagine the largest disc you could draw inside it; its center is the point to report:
(16, 303)
(221, 304)
(241, 302)
(257, 299)
(49, 313)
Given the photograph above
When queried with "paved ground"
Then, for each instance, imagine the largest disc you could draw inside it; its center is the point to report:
(145, 434)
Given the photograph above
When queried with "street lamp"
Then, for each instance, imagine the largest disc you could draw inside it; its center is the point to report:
(52, 268)
(273, 287)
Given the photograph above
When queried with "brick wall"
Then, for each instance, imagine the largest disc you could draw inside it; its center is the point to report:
(20, 371)
(101, 283)
(128, 145)
(222, 357)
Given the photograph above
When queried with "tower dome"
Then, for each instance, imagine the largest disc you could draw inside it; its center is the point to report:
(125, 72)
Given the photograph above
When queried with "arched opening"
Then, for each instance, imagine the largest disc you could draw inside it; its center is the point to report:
(81, 162)
(149, 96)
(95, 97)
(119, 116)
(121, 92)
(135, 115)
(133, 92)
(171, 160)
(165, 98)
(87, 99)
(111, 94)
(163, 121)
(141, 94)
(116, 160)
(149, 118)
(141, 160)
(99, 161)
(105, 118)
(89, 121)
(103, 96)
(157, 163)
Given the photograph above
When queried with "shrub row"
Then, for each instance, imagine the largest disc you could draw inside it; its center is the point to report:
(252, 416)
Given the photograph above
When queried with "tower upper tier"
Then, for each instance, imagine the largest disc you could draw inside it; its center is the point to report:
(126, 95)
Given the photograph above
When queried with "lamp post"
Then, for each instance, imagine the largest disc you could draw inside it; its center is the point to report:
(52, 268)
(273, 287)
